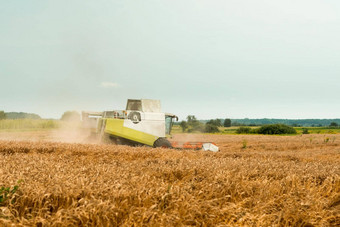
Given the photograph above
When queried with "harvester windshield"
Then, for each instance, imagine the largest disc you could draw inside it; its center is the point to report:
(169, 122)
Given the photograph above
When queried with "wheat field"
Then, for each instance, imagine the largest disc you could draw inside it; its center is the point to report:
(253, 181)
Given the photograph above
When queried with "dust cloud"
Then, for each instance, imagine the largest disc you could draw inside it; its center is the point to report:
(71, 130)
(182, 138)
(67, 132)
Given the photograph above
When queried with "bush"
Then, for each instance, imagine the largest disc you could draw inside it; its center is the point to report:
(305, 131)
(333, 125)
(209, 128)
(276, 129)
(227, 122)
(243, 130)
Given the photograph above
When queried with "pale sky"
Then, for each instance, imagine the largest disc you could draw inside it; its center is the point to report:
(231, 58)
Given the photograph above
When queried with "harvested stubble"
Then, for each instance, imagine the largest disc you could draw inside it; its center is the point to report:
(275, 181)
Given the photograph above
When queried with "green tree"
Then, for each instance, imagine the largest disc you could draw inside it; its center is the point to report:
(70, 116)
(227, 122)
(184, 125)
(334, 125)
(194, 124)
(216, 122)
(191, 119)
(2, 115)
(210, 128)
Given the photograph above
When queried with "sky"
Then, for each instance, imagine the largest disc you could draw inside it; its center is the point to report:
(211, 59)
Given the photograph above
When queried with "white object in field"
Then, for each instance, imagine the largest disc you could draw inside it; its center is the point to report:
(210, 147)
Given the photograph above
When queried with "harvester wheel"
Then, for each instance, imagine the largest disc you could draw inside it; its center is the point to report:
(162, 142)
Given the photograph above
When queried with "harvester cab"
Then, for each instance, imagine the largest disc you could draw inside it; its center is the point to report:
(141, 123)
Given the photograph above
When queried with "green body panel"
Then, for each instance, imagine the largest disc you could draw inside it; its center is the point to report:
(116, 127)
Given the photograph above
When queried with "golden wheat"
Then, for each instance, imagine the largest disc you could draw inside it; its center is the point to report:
(274, 181)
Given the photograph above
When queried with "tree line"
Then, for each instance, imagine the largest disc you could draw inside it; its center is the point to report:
(191, 123)
(290, 122)
(67, 116)
(18, 115)
(211, 126)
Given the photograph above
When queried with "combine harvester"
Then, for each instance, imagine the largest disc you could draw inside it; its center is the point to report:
(142, 123)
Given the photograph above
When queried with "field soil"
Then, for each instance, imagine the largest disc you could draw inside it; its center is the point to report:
(253, 181)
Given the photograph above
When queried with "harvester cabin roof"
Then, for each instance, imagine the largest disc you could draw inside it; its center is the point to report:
(144, 105)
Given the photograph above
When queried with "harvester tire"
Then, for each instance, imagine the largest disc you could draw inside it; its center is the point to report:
(162, 142)
(134, 117)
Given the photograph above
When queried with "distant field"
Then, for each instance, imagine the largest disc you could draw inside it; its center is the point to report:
(254, 180)
(319, 130)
